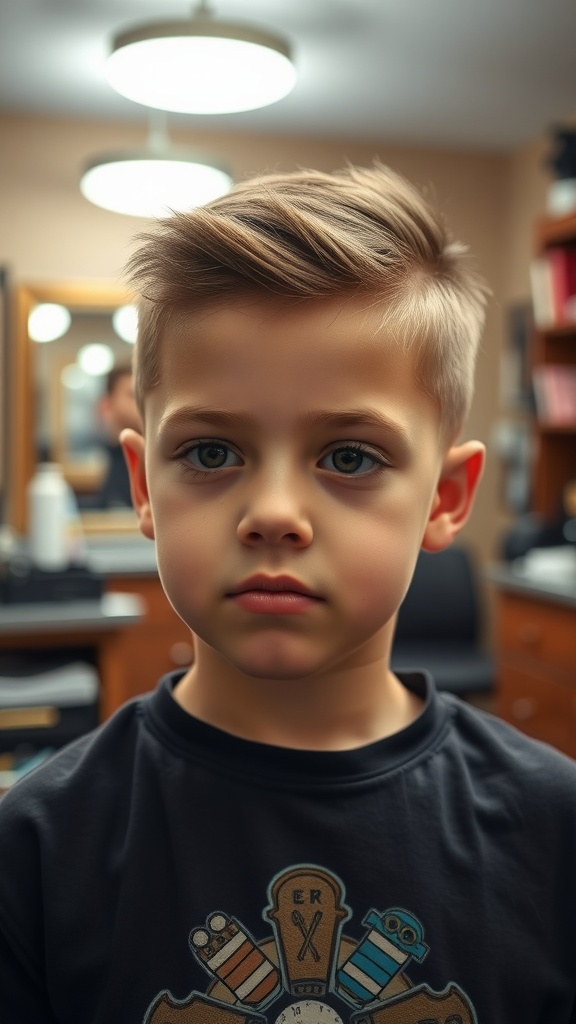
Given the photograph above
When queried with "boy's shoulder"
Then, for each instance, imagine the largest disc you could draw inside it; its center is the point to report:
(497, 753)
(95, 763)
(486, 743)
(467, 753)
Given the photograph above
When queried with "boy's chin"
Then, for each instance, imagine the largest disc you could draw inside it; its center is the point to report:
(283, 662)
(272, 670)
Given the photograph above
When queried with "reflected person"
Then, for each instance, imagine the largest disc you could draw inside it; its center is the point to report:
(117, 408)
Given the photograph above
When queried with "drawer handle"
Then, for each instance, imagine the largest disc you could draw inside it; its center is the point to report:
(524, 708)
(182, 653)
(530, 634)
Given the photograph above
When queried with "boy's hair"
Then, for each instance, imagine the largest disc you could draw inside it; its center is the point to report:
(358, 232)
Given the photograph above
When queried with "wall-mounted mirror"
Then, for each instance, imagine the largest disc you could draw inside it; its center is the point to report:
(71, 394)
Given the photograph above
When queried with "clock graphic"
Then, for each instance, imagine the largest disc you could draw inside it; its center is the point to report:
(308, 1011)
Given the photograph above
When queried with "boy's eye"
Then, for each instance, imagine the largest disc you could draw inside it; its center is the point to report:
(209, 455)
(351, 460)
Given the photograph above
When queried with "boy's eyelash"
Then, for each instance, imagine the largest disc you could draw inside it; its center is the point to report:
(365, 449)
(382, 460)
(181, 456)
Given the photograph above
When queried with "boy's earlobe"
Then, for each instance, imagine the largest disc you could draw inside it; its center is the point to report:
(459, 479)
(134, 452)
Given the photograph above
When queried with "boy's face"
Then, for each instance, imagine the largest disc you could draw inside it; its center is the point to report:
(293, 442)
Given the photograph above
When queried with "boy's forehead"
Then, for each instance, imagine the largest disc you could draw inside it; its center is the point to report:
(327, 351)
(334, 322)
(286, 360)
(331, 343)
(277, 309)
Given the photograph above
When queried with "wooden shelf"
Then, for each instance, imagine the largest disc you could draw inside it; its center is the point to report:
(555, 231)
(553, 428)
(559, 331)
(536, 638)
(555, 450)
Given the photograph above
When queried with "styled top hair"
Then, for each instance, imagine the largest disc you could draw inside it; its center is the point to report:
(358, 232)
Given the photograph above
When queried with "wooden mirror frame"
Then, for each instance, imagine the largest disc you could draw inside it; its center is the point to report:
(98, 296)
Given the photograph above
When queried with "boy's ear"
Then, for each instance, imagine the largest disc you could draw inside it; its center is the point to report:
(459, 479)
(134, 452)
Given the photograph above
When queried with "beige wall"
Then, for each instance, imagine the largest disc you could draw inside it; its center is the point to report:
(527, 185)
(50, 232)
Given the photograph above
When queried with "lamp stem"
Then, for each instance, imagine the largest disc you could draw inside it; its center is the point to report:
(157, 130)
(203, 10)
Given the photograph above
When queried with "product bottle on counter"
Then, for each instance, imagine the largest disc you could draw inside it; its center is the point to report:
(75, 539)
(47, 518)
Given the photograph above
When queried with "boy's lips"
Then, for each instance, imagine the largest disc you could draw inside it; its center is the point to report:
(279, 595)
(273, 584)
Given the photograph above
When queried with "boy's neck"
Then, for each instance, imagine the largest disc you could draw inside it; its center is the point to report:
(348, 709)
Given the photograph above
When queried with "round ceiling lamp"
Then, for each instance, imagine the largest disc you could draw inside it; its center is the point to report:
(154, 181)
(48, 321)
(95, 358)
(125, 323)
(200, 65)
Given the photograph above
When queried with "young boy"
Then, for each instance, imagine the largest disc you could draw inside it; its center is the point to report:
(287, 833)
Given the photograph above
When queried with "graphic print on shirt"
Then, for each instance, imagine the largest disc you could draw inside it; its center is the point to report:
(309, 970)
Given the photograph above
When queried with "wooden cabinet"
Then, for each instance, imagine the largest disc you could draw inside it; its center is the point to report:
(536, 629)
(536, 667)
(156, 645)
(133, 640)
(555, 446)
(91, 630)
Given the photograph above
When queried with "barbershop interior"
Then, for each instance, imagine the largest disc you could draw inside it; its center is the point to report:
(473, 103)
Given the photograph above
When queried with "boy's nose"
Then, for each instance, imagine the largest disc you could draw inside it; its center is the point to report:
(275, 515)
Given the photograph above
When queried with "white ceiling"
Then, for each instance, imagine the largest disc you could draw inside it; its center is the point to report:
(465, 73)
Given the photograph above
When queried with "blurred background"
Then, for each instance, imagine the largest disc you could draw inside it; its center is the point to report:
(474, 102)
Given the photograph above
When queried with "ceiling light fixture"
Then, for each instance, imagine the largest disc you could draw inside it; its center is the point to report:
(154, 181)
(48, 321)
(125, 323)
(200, 65)
(95, 358)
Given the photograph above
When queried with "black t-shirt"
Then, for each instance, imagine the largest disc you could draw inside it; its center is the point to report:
(160, 871)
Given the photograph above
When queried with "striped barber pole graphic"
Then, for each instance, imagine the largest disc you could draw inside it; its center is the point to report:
(371, 968)
(232, 957)
(393, 939)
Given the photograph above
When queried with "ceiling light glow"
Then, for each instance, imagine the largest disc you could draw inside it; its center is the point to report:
(95, 358)
(48, 321)
(73, 377)
(200, 66)
(145, 183)
(125, 323)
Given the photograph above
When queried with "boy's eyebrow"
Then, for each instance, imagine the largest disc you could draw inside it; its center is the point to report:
(217, 417)
(360, 417)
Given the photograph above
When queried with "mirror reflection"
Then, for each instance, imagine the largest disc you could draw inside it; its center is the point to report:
(72, 387)
(84, 399)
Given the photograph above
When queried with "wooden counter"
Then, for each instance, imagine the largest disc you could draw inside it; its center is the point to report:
(536, 656)
(134, 650)
(98, 625)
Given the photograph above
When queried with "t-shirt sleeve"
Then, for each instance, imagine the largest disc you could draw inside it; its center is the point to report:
(23, 994)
